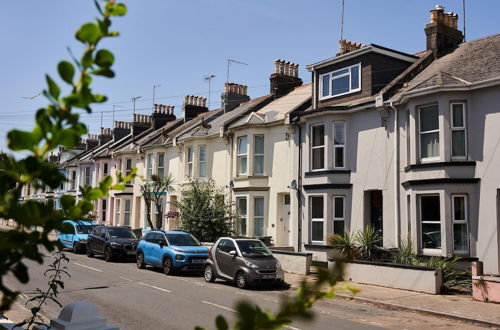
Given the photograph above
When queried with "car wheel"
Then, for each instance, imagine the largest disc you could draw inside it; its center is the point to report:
(209, 274)
(140, 261)
(89, 252)
(75, 248)
(241, 280)
(167, 266)
(107, 254)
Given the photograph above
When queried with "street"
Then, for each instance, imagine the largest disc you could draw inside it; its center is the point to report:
(148, 299)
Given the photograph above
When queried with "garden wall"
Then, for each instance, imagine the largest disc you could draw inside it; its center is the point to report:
(294, 262)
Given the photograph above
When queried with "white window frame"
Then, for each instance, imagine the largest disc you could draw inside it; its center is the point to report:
(339, 146)
(149, 168)
(255, 154)
(189, 161)
(241, 156)
(313, 220)
(460, 221)
(117, 213)
(242, 217)
(202, 163)
(87, 176)
(420, 133)
(337, 219)
(72, 183)
(160, 166)
(323, 146)
(263, 216)
(105, 169)
(330, 81)
(128, 170)
(458, 128)
(430, 251)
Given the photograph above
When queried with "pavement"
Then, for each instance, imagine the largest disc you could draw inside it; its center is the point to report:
(129, 297)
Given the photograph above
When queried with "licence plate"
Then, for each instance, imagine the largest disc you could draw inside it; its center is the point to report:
(268, 277)
(130, 252)
(198, 261)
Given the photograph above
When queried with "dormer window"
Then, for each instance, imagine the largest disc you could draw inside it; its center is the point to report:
(340, 82)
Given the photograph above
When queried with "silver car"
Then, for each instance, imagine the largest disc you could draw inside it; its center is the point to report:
(244, 261)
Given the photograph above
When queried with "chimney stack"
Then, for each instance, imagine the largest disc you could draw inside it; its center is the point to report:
(233, 96)
(193, 106)
(140, 124)
(442, 32)
(285, 78)
(162, 114)
(346, 46)
(120, 130)
(105, 136)
(92, 142)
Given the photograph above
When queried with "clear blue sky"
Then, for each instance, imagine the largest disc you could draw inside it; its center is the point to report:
(175, 43)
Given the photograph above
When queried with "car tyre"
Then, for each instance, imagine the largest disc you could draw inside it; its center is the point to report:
(107, 254)
(75, 249)
(140, 261)
(208, 274)
(89, 252)
(168, 269)
(241, 280)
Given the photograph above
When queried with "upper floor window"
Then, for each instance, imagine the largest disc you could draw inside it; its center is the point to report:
(189, 158)
(338, 144)
(458, 131)
(149, 169)
(242, 155)
(318, 147)
(202, 162)
(258, 155)
(161, 165)
(105, 169)
(429, 132)
(340, 82)
(128, 166)
(87, 176)
(72, 181)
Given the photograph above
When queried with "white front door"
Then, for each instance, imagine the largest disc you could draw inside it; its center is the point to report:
(286, 220)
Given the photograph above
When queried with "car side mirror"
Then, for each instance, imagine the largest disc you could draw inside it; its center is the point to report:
(233, 253)
(162, 243)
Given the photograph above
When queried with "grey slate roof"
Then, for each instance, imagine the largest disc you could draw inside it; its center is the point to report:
(471, 62)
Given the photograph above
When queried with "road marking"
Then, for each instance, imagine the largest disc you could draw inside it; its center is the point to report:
(154, 287)
(232, 310)
(97, 270)
(126, 279)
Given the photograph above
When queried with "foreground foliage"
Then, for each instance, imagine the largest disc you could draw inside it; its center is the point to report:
(55, 125)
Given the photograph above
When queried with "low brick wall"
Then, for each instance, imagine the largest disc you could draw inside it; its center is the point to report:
(294, 262)
(484, 287)
(412, 278)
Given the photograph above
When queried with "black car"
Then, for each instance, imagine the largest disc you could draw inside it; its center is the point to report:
(112, 242)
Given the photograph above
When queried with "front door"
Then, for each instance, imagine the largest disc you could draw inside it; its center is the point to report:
(286, 220)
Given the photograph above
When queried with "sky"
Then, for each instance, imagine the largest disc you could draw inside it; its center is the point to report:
(175, 44)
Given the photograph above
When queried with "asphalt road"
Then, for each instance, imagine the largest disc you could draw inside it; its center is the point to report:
(148, 299)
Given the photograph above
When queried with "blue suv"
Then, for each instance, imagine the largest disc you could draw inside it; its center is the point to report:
(76, 238)
(171, 250)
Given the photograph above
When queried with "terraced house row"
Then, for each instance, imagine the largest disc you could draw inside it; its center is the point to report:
(407, 143)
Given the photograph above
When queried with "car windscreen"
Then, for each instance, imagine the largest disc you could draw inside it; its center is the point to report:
(121, 233)
(253, 249)
(84, 229)
(182, 240)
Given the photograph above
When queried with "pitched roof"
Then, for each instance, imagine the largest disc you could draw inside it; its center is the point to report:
(278, 109)
(471, 62)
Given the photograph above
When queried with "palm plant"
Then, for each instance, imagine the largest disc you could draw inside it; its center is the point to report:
(367, 241)
(345, 244)
(405, 253)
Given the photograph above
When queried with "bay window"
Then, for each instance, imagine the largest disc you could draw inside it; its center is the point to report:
(339, 144)
(429, 132)
(72, 182)
(117, 213)
(241, 202)
(460, 226)
(318, 147)
(161, 165)
(341, 82)
(458, 131)
(242, 155)
(128, 166)
(317, 218)
(87, 178)
(189, 158)
(258, 155)
(149, 170)
(202, 162)
(430, 220)
(126, 213)
(258, 216)
(338, 214)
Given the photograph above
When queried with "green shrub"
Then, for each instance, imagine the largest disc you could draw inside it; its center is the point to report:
(367, 240)
(452, 277)
(345, 244)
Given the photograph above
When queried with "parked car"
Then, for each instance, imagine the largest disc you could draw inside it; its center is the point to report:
(244, 261)
(76, 238)
(171, 250)
(112, 242)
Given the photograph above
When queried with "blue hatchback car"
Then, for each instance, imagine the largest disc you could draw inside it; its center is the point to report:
(76, 238)
(172, 251)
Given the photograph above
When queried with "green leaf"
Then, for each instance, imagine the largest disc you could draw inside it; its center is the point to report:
(119, 186)
(98, 98)
(94, 194)
(118, 10)
(87, 59)
(104, 58)
(105, 184)
(221, 323)
(104, 72)
(54, 90)
(88, 33)
(67, 201)
(20, 140)
(68, 138)
(66, 71)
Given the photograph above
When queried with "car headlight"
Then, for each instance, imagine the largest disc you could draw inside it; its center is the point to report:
(250, 264)
(116, 245)
(179, 257)
(278, 264)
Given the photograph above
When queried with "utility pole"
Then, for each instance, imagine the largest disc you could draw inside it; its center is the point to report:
(114, 106)
(154, 89)
(229, 61)
(101, 120)
(209, 79)
(135, 99)
(342, 22)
